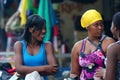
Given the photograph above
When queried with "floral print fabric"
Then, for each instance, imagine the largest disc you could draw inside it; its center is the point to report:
(90, 63)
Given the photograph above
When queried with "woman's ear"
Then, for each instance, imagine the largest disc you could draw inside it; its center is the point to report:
(87, 28)
(30, 30)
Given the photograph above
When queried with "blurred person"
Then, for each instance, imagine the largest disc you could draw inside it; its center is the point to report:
(88, 55)
(13, 30)
(32, 53)
(113, 51)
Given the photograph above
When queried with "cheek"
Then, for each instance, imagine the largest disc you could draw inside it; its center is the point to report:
(112, 30)
(114, 33)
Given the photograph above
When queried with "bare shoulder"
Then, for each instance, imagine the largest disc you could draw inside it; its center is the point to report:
(76, 47)
(48, 43)
(78, 43)
(17, 43)
(17, 47)
(49, 47)
(114, 47)
(109, 40)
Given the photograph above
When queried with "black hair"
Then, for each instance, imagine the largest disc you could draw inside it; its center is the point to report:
(34, 21)
(116, 20)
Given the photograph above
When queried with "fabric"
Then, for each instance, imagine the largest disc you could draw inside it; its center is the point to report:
(20, 5)
(90, 62)
(23, 12)
(56, 32)
(10, 41)
(89, 17)
(46, 11)
(4, 75)
(33, 76)
(14, 77)
(37, 60)
(31, 7)
(55, 43)
(36, 2)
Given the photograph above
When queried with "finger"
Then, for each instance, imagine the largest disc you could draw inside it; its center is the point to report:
(55, 68)
(55, 65)
(54, 71)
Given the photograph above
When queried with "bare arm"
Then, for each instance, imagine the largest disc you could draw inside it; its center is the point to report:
(21, 69)
(51, 57)
(102, 71)
(111, 63)
(106, 42)
(75, 67)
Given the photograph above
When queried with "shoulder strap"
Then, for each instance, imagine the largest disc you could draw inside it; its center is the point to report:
(118, 42)
(83, 45)
(92, 42)
(100, 42)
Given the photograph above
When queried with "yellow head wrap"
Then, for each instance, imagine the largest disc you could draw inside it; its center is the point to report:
(89, 17)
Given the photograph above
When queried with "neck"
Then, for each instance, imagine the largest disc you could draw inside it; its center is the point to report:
(34, 43)
(94, 38)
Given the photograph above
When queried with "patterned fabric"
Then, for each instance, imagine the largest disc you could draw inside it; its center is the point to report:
(90, 62)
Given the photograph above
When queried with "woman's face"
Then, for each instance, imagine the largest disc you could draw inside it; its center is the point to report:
(39, 34)
(113, 30)
(96, 29)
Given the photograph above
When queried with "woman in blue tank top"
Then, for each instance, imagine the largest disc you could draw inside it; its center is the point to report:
(32, 53)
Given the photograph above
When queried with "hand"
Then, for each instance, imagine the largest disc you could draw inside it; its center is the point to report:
(100, 72)
(51, 69)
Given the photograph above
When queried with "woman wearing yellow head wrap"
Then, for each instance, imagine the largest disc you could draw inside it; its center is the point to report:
(88, 55)
(90, 17)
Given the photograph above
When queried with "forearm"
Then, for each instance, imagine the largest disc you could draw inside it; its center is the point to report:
(74, 73)
(23, 70)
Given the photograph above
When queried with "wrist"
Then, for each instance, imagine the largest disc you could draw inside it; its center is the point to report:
(104, 72)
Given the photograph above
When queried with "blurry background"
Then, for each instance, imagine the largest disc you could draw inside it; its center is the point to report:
(68, 13)
(67, 30)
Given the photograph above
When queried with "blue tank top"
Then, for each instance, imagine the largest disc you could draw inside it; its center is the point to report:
(37, 60)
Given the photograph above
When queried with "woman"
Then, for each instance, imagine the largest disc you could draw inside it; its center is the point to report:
(32, 53)
(88, 55)
(113, 52)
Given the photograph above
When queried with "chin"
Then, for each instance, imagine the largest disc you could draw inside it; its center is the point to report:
(99, 35)
(40, 40)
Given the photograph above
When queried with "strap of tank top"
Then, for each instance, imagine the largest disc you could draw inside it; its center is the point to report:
(83, 45)
(118, 42)
(100, 42)
(92, 42)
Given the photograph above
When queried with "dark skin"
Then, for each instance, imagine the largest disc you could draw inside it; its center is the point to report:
(32, 49)
(95, 31)
(113, 55)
